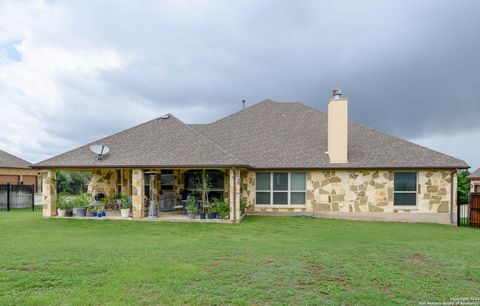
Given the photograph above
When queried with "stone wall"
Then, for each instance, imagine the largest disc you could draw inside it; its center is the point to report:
(104, 181)
(360, 191)
(434, 191)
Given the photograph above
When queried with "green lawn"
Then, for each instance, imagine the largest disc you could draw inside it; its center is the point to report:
(263, 260)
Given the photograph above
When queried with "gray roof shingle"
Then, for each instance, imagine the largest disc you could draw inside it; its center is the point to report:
(8, 160)
(475, 174)
(266, 135)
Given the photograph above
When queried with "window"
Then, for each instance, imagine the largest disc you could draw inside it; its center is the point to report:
(405, 189)
(193, 183)
(167, 180)
(119, 182)
(280, 188)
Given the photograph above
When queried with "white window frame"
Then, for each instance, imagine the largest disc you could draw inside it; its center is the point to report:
(406, 207)
(288, 191)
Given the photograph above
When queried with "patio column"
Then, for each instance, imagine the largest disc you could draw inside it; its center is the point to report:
(49, 193)
(234, 194)
(138, 193)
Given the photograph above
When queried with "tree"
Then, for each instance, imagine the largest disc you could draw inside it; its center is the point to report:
(463, 186)
(64, 182)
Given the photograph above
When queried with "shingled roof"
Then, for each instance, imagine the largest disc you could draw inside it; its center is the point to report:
(475, 174)
(8, 160)
(267, 135)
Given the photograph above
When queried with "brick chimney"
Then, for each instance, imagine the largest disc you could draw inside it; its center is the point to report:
(338, 128)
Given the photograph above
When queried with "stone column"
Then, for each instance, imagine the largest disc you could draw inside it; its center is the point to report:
(234, 194)
(138, 193)
(49, 193)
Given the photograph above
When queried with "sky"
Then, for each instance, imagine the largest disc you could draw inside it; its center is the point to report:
(72, 72)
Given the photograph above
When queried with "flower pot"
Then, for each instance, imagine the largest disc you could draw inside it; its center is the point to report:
(80, 211)
(61, 212)
(68, 213)
(211, 215)
(125, 212)
(191, 215)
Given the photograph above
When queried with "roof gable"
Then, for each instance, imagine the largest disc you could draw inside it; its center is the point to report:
(268, 135)
(8, 160)
(159, 142)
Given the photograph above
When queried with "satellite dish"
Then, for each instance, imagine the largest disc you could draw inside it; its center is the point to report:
(100, 150)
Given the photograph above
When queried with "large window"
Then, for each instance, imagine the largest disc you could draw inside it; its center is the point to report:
(280, 188)
(194, 183)
(405, 189)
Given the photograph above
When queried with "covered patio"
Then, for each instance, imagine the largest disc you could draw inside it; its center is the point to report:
(157, 193)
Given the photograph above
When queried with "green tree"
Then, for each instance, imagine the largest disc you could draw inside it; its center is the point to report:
(463, 186)
(64, 182)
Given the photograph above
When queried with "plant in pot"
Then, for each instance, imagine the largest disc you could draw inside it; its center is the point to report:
(223, 209)
(80, 205)
(62, 205)
(213, 209)
(125, 206)
(191, 208)
(92, 210)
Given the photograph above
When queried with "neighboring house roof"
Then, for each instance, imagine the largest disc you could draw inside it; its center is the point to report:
(267, 135)
(475, 174)
(8, 160)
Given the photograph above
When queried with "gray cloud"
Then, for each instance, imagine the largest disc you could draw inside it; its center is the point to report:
(409, 67)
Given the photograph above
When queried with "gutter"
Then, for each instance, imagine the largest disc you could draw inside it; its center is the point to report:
(452, 221)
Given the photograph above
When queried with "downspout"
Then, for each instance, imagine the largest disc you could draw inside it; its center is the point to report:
(451, 197)
(234, 194)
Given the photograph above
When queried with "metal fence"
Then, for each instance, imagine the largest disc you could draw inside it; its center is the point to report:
(468, 210)
(17, 196)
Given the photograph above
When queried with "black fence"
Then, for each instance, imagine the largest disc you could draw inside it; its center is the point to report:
(468, 210)
(17, 196)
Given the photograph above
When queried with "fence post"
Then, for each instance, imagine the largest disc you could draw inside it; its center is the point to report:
(458, 209)
(8, 196)
(33, 197)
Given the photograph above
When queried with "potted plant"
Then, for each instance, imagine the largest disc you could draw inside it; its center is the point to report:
(191, 208)
(62, 206)
(68, 206)
(212, 209)
(92, 210)
(124, 206)
(80, 205)
(223, 209)
(100, 211)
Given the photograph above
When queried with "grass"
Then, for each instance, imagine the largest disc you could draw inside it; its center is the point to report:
(264, 260)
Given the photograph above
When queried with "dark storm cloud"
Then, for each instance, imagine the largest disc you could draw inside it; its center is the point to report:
(410, 68)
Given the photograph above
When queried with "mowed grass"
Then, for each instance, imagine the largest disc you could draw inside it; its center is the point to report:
(263, 260)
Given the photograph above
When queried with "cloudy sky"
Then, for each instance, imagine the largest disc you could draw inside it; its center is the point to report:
(74, 71)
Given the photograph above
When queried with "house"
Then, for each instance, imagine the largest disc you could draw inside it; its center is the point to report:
(475, 181)
(278, 158)
(16, 171)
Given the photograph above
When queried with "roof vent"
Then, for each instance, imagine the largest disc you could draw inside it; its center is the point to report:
(165, 116)
(337, 93)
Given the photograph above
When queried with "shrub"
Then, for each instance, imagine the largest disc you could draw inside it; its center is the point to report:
(82, 199)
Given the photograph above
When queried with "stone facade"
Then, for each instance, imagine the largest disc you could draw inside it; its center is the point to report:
(360, 191)
(138, 193)
(350, 191)
(103, 181)
(49, 193)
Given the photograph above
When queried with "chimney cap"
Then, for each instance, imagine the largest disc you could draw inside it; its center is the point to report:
(337, 93)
